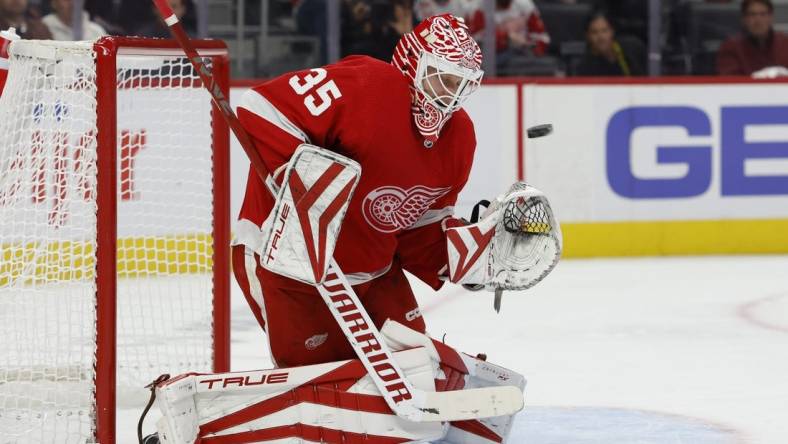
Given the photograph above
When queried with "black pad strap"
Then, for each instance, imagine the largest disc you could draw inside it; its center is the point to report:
(152, 387)
(475, 212)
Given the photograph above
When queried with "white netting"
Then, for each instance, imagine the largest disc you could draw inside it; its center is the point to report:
(48, 151)
(164, 220)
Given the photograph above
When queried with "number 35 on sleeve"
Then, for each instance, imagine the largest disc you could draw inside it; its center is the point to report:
(319, 99)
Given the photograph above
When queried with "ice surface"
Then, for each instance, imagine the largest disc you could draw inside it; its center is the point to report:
(649, 351)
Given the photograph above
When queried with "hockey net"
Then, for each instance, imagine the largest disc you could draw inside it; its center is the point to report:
(90, 133)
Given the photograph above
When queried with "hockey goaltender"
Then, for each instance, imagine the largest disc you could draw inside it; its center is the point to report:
(381, 151)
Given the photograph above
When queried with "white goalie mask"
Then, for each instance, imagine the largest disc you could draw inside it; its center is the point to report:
(443, 65)
(445, 85)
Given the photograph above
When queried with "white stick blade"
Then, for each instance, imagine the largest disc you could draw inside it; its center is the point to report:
(476, 403)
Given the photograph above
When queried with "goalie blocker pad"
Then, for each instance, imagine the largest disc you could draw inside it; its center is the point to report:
(334, 402)
(302, 229)
(516, 244)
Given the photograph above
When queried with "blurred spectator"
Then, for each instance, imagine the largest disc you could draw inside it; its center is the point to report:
(458, 8)
(132, 13)
(356, 24)
(519, 28)
(403, 20)
(59, 22)
(759, 46)
(154, 26)
(628, 17)
(310, 18)
(15, 13)
(383, 22)
(105, 14)
(607, 55)
(105, 9)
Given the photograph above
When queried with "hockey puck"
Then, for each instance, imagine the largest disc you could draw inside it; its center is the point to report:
(540, 130)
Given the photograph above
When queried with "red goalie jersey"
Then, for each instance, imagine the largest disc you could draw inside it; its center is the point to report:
(362, 108)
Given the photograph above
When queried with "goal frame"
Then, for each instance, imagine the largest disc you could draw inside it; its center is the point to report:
(107, 49)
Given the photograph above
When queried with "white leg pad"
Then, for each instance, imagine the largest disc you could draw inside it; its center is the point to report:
(319, 403)
(457, 371)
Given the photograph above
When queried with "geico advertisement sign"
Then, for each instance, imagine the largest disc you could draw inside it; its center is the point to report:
(731, 149)
(662, 152)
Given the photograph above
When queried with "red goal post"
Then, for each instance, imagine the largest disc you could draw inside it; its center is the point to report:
(114, 251)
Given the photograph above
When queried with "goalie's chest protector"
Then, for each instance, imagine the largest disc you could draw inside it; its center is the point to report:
(404, 184)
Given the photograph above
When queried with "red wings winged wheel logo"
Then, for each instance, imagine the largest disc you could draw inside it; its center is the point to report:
(390, 208)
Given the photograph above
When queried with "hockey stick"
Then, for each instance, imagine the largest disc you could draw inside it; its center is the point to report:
(366, 340)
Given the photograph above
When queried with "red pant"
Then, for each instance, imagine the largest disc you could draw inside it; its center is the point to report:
(300, 328)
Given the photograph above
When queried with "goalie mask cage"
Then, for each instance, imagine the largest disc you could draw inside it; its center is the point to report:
(114, 231)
